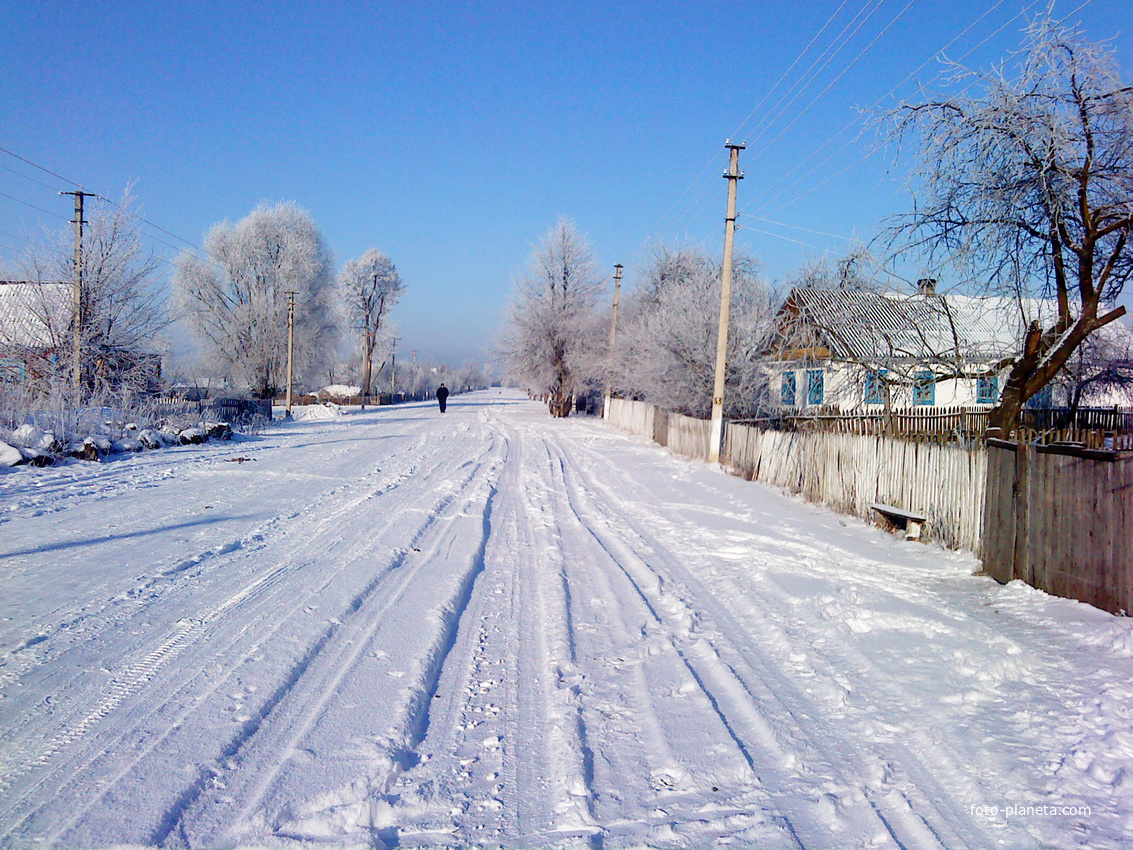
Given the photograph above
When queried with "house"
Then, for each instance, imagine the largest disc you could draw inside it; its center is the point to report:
(34, 319)
(35, 341)
(856, 350)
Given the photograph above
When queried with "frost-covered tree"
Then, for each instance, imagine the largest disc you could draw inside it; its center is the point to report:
(666, 345)
(1025, 178)
(235, 302)
(552, 341)
(369, 288)
(123, 302)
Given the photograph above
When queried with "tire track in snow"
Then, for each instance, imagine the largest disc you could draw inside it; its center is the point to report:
(671, 654)
(753, 678)
(336, 658)
(189, 630)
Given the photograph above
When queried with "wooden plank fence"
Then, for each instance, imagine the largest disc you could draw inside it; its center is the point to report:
(849, 472)
(1061, 519)
(845, 471)
(1058, 517)
(633, 416)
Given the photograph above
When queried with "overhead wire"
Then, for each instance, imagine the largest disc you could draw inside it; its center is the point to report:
(696, 181)
(834, 49)
(857, 120)
(197, 250)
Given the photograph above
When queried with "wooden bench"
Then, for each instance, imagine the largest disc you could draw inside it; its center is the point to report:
(900, 519)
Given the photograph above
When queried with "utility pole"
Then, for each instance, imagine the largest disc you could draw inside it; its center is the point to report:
(613, 336)
(77, 348)
(733, 175)
(290, 346)
(393, 374)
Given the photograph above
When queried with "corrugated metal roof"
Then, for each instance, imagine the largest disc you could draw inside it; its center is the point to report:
(29, 310)
(863, 325)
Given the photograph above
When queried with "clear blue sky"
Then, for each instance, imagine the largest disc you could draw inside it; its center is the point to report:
(452, 135)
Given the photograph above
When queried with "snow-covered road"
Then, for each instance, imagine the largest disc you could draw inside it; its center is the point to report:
(396, 628)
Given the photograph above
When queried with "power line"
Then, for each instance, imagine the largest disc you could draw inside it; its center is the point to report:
(821, 63)
(30, 179)
(762, 100)
(33, 206)
(155, 226)
(40, 167)
(760, 200)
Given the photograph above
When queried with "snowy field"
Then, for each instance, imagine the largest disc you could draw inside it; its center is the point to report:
(489, 628)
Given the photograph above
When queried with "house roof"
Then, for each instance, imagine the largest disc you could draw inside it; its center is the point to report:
(864, 325)
(28, 312)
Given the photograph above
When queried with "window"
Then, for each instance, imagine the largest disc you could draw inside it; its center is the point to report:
(787, 390)
(924, 388)
(1043, 398)
(987, 389)
(875, 387)
(814, 386)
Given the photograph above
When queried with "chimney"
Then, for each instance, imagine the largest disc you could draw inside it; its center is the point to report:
(926, 286)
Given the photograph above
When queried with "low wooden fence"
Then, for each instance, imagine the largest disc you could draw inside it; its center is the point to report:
(849, 472)
(688, 436)
(1061, 519)
(1092, 427)
(633, 416)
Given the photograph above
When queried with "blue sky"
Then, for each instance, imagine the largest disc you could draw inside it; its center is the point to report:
(452, 135)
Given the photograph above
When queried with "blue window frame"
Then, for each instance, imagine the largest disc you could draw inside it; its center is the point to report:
(1043, 398)
(814, 388)
(987, 389)
(875, 387)
(787, 389)
(924, 388)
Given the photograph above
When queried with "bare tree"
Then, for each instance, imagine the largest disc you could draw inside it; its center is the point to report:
(551, 342)
(236, 301)
(123, 307)
(1028, 182)
(369, 287)
(666, 347)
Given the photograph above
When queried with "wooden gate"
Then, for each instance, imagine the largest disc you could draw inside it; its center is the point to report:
(1060, 518)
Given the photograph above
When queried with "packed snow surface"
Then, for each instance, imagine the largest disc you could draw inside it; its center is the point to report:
(491, 628)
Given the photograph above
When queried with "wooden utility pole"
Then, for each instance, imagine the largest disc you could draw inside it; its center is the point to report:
(733, 175)
(290, 346)
(613, 338)
(77, 346)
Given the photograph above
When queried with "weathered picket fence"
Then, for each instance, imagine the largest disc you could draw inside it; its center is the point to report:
(850, 472)
(847, 472)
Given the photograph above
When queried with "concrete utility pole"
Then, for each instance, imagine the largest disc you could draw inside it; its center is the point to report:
(290, 346)
(77, 347)
(733, 175)
(393, 374)
(613, 337)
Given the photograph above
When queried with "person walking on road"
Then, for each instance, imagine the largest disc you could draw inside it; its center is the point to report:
(442, 396)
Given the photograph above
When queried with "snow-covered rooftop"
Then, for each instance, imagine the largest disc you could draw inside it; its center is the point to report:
(28, 311)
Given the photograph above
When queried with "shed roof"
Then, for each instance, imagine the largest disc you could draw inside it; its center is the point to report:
(29, 311)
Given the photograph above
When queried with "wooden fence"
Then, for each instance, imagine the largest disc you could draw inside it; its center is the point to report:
(849, 472)
(687, 436)
(1092, 427)
(633, 416)
(1061, 519)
